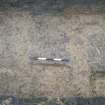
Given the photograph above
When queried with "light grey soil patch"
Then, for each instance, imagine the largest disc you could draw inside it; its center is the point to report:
(78, 37)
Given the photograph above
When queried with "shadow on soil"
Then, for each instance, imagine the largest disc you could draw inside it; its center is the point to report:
(62, 101)
(40, 7)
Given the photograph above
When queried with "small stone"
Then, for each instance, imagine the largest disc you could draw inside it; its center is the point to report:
(8, 101)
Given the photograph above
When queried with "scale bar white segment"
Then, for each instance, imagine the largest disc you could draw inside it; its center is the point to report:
(42, 58)
(56, 59)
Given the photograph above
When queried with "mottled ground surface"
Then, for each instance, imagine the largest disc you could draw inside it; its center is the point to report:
(50, 29)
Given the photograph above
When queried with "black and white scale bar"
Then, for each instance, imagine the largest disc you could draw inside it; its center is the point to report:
(50, 59)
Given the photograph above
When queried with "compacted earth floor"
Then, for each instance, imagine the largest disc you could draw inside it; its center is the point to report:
(52, 29)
